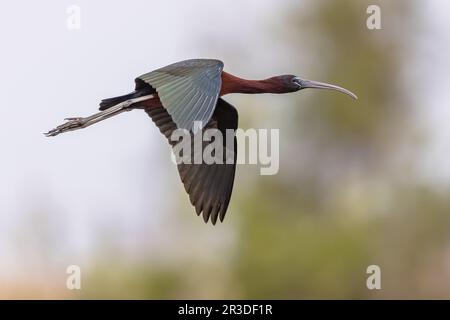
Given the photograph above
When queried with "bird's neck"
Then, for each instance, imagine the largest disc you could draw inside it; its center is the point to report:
(233, 84)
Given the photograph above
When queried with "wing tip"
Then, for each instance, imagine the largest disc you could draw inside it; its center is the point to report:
(213, 214)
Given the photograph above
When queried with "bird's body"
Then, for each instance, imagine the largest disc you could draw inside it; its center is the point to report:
(185, 93)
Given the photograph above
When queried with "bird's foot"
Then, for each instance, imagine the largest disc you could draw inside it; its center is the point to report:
(70, 125)
(80, 123)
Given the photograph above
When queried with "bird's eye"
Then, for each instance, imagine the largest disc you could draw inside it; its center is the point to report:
(295, 81)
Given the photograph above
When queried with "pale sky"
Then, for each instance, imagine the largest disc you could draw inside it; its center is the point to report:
(113, 174)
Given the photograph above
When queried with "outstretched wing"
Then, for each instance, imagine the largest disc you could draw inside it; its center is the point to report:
(188, 89)
(209, 185)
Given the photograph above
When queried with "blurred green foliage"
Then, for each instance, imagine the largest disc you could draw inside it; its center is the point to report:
(348, 200)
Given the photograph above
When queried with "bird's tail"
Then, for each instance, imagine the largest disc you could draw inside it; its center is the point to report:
(109, 108)
(110, 102)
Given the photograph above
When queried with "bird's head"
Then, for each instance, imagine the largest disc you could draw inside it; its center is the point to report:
(293, 83)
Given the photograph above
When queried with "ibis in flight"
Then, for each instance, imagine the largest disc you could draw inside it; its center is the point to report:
(180, 94)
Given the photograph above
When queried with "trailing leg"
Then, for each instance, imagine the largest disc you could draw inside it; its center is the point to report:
(80, 123)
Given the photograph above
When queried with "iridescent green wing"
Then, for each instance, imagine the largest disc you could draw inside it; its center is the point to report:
(188, 90)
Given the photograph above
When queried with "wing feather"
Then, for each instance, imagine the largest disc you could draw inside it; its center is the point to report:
(174, 82)
(209, 185)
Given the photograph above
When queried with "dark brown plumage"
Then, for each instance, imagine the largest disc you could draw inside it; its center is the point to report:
(175, 97)
(209, 185)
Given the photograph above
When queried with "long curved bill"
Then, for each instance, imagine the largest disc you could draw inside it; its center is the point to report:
(321, 85)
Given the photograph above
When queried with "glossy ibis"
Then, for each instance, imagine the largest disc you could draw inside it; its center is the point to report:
(177, 95)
